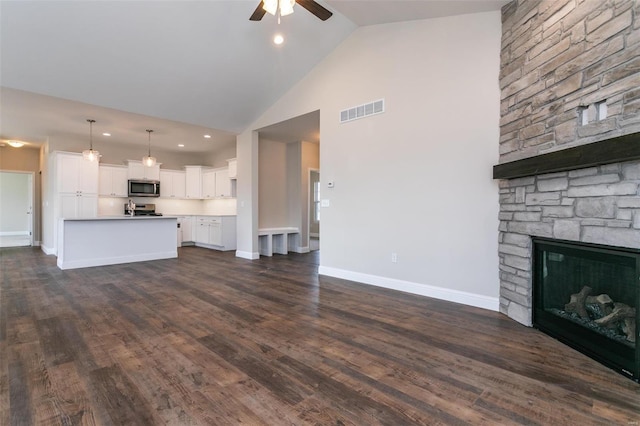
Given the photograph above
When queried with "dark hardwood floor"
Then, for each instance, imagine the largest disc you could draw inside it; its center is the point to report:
(211, 339)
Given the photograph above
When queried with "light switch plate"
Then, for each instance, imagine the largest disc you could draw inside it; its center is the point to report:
(325, 203)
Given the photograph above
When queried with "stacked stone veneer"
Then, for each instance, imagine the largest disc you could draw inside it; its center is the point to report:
(558, 59)
(595, 205)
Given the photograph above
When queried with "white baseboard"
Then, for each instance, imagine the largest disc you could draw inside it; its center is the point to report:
(36, 243)
(48, 250)
(457, 296)
(248, 255)
(300, 250)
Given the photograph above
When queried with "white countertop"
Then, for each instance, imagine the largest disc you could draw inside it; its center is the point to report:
(123, 217)
(205, 215)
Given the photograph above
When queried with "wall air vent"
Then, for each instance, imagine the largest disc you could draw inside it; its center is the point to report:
(361, 111)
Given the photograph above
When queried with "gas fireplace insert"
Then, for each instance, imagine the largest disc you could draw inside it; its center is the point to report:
(587, 296)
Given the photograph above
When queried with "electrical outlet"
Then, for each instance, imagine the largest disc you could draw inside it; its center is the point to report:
(394, 257)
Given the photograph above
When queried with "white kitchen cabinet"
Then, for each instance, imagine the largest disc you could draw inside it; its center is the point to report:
(193, 181)
(208, 231)
(75, 190)
(223, 183)
(209, 184)
(74, 206)
(216, 183)
(187, 229)
(233, 168)
(137, 170)
(74, 174)
(112, 181)
(216, 232)
(172, 184)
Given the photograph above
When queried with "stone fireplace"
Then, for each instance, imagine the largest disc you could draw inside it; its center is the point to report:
(570, 82)
(597, 204)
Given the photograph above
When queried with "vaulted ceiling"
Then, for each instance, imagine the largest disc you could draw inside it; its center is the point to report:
(185, 68)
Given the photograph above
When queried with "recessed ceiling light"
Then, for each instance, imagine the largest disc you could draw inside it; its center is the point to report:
(207, 136)
(181, 145)
(106, 134)
(278, 39)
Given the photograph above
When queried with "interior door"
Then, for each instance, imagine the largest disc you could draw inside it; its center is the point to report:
(16, 216)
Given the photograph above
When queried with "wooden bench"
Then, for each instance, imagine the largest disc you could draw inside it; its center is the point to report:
(277, 240)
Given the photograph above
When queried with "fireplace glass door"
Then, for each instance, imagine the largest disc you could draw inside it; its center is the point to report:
(587, 296)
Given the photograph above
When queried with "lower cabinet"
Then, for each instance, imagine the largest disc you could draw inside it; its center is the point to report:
(185, 230)
(217, 232)
(78, 206)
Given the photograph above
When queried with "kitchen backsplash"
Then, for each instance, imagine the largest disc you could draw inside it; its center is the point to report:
(170, 207)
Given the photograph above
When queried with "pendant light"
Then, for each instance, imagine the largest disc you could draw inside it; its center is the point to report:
(91, 154)
(149, 161)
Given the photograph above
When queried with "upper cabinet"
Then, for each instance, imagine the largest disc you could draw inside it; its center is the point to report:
(137, 170)
(233, 168)
(75, 175)
(223, 183)
(172, 184)
(193, 184)
(216, 183)
(209, 184)
(112, 181)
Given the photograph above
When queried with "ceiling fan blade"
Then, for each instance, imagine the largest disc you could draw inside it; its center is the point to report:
(258, 13)
(315, 8)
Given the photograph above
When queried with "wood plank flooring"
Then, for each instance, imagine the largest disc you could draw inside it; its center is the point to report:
(209, 339)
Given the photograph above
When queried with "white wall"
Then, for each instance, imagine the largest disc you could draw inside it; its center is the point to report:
(415, 180)
(272, 181)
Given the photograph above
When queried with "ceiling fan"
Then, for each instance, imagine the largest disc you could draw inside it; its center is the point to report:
(286, 7)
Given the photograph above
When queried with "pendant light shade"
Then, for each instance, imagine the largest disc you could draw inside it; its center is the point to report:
(148, 160)
(91, 154)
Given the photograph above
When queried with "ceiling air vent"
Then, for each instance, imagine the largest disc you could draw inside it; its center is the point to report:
(361, 111)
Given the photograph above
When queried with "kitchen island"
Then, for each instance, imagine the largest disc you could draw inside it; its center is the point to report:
(111, 240)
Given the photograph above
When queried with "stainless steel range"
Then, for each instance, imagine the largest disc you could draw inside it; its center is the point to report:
(142, 210)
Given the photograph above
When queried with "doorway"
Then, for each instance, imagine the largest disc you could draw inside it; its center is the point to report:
(314, 209)
(16, 214)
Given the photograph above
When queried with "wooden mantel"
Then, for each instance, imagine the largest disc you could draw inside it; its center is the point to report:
(614, 150)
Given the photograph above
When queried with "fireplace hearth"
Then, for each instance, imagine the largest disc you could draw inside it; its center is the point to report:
(587, 296)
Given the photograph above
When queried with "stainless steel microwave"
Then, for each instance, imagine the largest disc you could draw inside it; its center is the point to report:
(144, 188)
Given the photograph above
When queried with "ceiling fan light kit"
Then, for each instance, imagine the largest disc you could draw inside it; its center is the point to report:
(286, 8)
